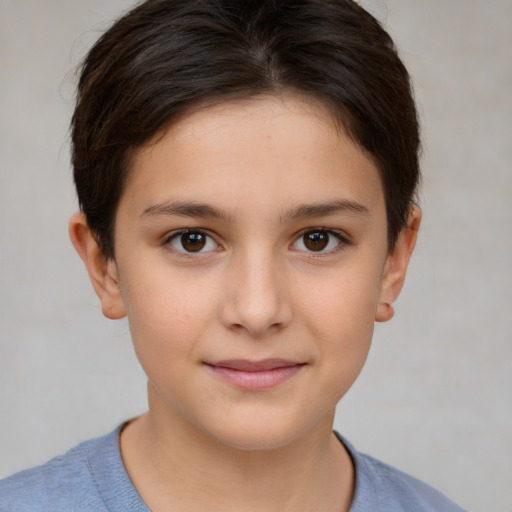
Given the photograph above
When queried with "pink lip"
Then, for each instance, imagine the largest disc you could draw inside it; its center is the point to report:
(255, 375)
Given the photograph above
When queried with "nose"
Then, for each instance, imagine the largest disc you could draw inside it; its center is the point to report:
(257, 296)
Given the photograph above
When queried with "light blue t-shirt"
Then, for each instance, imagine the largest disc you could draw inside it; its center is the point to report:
(91, 478)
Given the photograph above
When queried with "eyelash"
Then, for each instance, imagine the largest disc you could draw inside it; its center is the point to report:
(340, 237)
(176, 234)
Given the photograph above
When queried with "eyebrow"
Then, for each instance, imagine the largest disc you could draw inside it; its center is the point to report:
(322, 209)
(185, 209)
(203, 210)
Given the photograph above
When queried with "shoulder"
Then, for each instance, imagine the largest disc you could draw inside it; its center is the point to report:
(64, 483)
(381, 487)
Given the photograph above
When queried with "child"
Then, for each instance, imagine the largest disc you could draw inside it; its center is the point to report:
(246, 175)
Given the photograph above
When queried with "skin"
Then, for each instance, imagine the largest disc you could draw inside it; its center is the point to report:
(261, 174)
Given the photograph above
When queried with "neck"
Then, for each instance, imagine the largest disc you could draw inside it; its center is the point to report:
(175, 466)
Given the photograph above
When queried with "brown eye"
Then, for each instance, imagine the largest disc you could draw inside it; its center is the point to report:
(320, 241)
(192, 242)
(316, 240)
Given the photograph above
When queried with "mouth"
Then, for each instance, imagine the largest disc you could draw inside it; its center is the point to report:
(255, 375)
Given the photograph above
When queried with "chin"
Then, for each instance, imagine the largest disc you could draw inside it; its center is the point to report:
(258, 434)
(262, 440)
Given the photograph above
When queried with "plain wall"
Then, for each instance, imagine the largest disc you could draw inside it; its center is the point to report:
(435, 398)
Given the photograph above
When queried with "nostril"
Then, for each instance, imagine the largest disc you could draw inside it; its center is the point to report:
(243, 316)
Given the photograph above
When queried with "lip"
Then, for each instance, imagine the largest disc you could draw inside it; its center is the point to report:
(255, 375)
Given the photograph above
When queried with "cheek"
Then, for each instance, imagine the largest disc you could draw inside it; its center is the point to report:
(344, 303)
(340, 315)
(167, 316)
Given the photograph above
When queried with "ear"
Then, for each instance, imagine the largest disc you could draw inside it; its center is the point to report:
(102, 272)
(396, 266)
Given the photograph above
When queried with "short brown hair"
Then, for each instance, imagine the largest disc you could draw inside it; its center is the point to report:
(165, 56)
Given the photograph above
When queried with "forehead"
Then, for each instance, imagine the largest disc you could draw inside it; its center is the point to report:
(264, 153)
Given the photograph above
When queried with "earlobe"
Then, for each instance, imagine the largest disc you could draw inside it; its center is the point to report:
(396, 266)
(385, 312)
(102, 272)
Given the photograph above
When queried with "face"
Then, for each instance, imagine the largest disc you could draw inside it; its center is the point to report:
(251, 261)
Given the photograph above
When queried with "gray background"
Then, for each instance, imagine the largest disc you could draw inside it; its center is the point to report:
(435, 398)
